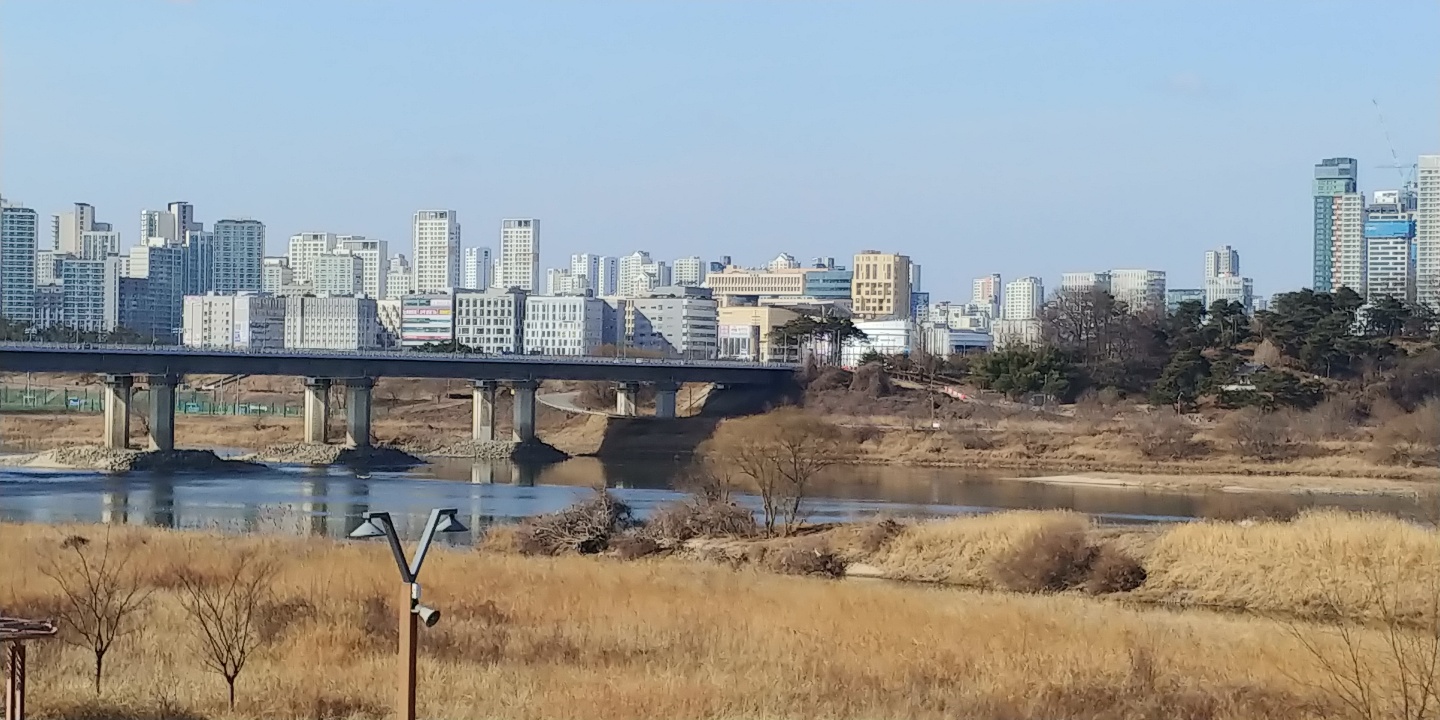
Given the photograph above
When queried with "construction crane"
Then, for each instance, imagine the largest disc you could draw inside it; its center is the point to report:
(1407, 180)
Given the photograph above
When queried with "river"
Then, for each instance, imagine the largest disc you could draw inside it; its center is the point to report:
(329, 501)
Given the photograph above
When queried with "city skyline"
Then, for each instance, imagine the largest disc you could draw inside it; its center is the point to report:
(1126, 122)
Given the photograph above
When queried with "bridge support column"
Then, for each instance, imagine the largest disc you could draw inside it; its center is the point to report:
(482, 413)
(317, 410)
(524, 409)
(665, 395)
(162, 411)
(118, 391)
(357, 411)
(625, 398)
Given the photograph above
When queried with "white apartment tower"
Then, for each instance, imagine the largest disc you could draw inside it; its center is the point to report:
(985, 292)
(275, 275)
(237, 256)
(477, 268)
(1023, 298)
(519, 255)
(688, 272)
(1427, 232)
(303, 250)
(587, 265)
(19, 235)
(67, 227)
(374, 257)
(631, 282)
(400, 280)
(339, 273)
(436, 237)
(1140, 290)
(1222, 262)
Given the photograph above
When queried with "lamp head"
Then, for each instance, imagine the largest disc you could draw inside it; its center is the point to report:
(374, 526)
(449, 523)
(427, 614)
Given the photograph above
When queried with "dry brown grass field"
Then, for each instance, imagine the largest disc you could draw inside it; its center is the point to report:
(588, 637)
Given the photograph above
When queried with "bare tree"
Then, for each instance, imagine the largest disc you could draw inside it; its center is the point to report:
(101, 595)
(226, 609)
(1394, 670)
(781, 453)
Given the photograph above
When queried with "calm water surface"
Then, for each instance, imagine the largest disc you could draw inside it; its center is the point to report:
(329, 501)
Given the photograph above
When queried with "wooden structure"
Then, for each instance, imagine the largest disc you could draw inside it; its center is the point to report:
(13, 634)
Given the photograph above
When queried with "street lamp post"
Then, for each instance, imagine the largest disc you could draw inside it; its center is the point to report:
(378, 524)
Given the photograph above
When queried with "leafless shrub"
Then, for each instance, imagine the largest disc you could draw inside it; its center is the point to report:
(274, 619)
(709, 479)
(1253, 433)
(807, 559)
(1164, 435)
(877, 535)
(1411, 440)
(634, 547)
(1053, 559)
(678, 522)
(865, 433)
(1036, 442)
(1334, 419)
(871, 380)
(1112, 570)
(586, 527)
(225, 606)
(831, 378)
(101, 594)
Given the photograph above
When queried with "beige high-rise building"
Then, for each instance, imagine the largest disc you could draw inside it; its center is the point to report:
(881, 286)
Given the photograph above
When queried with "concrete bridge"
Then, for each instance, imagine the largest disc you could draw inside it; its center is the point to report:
(162, 368)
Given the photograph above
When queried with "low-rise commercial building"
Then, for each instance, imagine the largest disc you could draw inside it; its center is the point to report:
(676, 321)
(563, 325)
(332, 323)
(746, 333)
(242, 322)
(491, 322)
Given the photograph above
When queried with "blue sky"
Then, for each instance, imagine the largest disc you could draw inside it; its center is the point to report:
(1020, 137)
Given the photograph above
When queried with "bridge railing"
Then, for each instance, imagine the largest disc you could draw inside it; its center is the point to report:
(409, 355)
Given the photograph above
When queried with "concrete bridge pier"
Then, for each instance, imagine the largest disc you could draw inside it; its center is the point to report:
(358, 396)
(665, 398)
(317, 410)
(482, 415)
(118, 391)
(524, 409)
(625, 398)
(162, 411)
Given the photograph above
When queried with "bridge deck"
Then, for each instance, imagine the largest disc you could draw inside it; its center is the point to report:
(137, 360)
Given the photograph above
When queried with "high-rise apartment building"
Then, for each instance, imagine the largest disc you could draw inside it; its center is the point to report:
(338, 273)
(98, 244)
(83, 293)
(303, 250)
(19, 237)
(1023, 298)
(985, 292)
(1427, 232)
(688, 272)
(1140, 290)
(587, 265)
(1338, 208)
(185, 222)
(1222, 261)
(374, 258)
(632, 281)
(560, 281)
(276, 275)
(915, 277)
(880, 288)
(164, 269)
(477, 268)
(66, 228)
(400, 280)
(1389, 239)
(436, 244)
(237, 255)
(783, 261)
(159, 224)
(520, 254)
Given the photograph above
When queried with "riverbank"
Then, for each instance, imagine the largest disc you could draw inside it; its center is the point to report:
(91, 457)
(526, 637)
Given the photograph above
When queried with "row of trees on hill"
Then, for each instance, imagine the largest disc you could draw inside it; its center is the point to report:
(1287, 356)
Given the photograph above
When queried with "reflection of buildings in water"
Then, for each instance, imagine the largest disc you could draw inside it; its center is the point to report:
(314, 518)
(115, 503)
(483, 472)
(359, 504)
(162, 502)
(524, 475)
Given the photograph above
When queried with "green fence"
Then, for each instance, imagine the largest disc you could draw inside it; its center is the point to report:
(82, 399)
